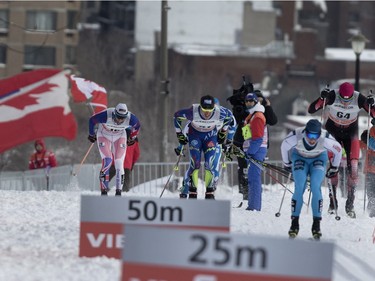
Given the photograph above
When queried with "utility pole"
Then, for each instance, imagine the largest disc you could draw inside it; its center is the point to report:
(164, 81)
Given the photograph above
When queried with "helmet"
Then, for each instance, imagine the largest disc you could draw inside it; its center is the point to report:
(251, 97)
(121, 111)
(207, 103)
(346, 91)
(313, 129)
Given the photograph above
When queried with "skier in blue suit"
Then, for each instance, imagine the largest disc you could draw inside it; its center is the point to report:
(305, 151)
(207, 127)
(225, 147)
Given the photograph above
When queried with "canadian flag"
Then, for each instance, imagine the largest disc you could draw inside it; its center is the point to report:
(86, 90)
(34, 105)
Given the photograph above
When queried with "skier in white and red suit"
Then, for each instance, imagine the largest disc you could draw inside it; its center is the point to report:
(117, 128)
(343, 105)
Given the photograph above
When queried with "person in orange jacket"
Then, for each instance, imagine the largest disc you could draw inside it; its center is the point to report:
(369, 168)
(132, 156)
(42, 158)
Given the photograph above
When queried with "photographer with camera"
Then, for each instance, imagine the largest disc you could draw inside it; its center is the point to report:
(240, 113)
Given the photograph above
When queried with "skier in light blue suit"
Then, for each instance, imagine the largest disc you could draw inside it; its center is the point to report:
(305, 151)
(208, 125)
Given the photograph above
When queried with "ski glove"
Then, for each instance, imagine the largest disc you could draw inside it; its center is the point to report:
(221, 137)
(370, 101)
(182, 139)
(92, 138)
(227, 148)
(324, 94)
(179, 150)
(131, 141)
(332, 171)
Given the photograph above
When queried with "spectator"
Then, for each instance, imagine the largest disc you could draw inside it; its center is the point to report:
(42, 158)
(255, 145)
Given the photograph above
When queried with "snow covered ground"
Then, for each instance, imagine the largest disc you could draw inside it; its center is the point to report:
(39, 234)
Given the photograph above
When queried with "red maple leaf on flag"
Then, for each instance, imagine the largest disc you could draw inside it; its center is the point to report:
(35, 104)
(29, 98)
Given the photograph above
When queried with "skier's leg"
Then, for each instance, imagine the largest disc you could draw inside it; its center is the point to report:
(104, 146)
(119, 153)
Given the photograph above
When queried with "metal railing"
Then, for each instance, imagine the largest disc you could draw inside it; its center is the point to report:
(146, 176)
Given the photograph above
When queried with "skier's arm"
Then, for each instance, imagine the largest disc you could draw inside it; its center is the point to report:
(288, 143)
(320, 102)
(135, 126)
(332, 145)
(364, 102)
(101, 117)
(180, 116)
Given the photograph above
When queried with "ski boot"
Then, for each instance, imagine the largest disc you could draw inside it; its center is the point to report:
(349, 208)
(193, 192)
(210, 193)
(183, 196)
(315, 229)
(349, 204)
(350, 212)
(294, 228)
(104, 192)
(118, 192)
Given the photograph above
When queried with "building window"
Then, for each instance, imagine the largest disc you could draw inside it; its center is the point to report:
(41, 20)
(3, 54)
(37, 55)
(71, 21)
(70, 55)
(4, 21)
(354, 17)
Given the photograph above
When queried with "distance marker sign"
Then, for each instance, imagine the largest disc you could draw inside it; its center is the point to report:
(103, 219)
(193, 255)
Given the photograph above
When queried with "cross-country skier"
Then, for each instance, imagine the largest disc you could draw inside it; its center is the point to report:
(305, 152)
(117, 128)
(344, 105)
(369, 168)
(208, 125)
(225, 147)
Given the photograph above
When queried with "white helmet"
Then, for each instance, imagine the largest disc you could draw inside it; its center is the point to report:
(121, 111)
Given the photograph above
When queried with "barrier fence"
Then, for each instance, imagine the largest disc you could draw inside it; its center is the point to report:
(146, 176)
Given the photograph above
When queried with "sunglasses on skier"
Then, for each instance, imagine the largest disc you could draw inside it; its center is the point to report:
(207, 109)
(312, 136)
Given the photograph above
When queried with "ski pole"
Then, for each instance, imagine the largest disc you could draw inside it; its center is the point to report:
(337, 217)
(324, 105)
(240, 153)
(175, 168)
(282, 200)
(368, 139)
(83, 160)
